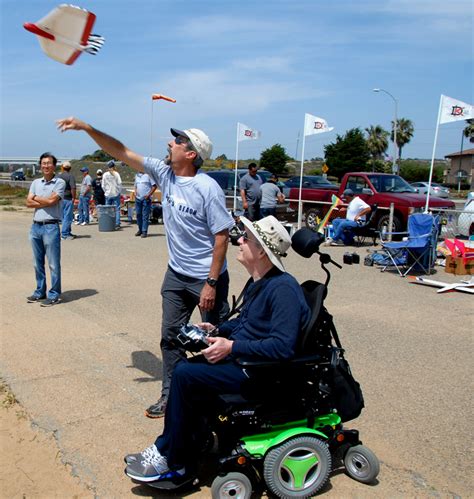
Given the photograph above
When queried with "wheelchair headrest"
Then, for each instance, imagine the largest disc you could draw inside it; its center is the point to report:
(306, 242)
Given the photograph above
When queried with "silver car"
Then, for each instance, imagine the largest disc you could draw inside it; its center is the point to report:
(437, 190)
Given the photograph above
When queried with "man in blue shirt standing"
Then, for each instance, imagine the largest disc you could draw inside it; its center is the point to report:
(144, 189)
(68, 200)
(250, 193)
(197, 227)
(45, 197)
(84, 197)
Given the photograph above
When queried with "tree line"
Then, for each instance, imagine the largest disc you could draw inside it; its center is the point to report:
(359, 150)
(356, 150)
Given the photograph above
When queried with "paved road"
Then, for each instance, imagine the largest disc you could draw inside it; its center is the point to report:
(86, 369)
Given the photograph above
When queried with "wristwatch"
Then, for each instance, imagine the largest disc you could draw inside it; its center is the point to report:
(212, 282)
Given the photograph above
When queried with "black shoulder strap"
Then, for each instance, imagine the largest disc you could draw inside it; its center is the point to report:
(332, 328)
(237, 304)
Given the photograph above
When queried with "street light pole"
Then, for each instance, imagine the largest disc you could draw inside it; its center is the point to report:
(395, 126)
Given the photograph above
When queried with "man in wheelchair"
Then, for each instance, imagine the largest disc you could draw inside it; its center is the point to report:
(273, 313)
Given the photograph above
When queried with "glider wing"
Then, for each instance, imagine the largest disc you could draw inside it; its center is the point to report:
(66, 32)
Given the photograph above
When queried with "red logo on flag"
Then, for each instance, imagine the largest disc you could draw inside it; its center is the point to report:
(318, 125)
(457, 111)
(248, 133)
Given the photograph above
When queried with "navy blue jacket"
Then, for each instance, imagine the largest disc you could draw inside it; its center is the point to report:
(270, 320)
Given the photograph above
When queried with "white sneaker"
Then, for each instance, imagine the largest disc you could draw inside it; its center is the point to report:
(148, 453)
(76, 223)
(83, 223)
(328, 241)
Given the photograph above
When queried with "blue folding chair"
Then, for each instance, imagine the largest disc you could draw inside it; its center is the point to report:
(417, 251)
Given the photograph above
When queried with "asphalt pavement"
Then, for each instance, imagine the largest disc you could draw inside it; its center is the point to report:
(87, 368)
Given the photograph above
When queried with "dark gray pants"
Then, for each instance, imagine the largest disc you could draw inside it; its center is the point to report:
(253, 212)
(180, 296)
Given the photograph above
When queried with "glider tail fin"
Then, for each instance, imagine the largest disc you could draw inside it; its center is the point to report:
(94, 44)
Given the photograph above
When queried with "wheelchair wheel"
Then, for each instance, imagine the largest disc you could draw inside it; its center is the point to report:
(361, 464)
(236, 485)
(297, 468)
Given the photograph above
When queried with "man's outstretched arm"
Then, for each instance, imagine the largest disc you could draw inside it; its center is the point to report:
(110, 145)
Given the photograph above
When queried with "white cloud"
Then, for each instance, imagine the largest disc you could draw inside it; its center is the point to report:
(262, 63)
(215, 26)
(228, 91)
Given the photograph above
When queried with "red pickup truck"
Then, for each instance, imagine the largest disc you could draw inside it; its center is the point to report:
(379, 189)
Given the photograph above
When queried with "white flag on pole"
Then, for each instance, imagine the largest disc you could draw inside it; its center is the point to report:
(454, 110)
(246, 133)
(313, 124)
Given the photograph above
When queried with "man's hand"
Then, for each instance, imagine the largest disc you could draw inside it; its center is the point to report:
(220, 348)
(112, 146)
(208, 297)
(70, 123)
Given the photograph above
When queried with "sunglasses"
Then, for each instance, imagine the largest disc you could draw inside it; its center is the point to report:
(181, 140)
(245, 236)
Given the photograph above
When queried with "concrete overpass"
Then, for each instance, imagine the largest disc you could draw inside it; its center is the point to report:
(22, 160)
(10, 160)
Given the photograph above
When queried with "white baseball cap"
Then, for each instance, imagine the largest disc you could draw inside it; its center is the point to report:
(200, 141)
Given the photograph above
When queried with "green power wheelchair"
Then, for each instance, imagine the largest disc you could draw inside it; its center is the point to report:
(285, 434)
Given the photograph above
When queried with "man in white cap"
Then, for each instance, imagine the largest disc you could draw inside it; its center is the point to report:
(85, 193)
(68, 200)
(274, 312)
(197, 227)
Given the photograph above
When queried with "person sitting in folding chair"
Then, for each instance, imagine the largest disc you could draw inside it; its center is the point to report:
(418, 250)
(355, 215)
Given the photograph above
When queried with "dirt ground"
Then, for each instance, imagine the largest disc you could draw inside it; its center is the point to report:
(85, 370)
(30, 460)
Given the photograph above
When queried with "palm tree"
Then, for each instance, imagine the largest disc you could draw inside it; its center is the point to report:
(405, 131)
(469, 130)
(377, 141)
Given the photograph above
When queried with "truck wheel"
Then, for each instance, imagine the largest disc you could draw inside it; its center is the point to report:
(311, 218)
(383, 224)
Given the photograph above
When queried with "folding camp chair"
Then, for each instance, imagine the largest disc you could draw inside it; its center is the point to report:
(366, 229)
(417, 251)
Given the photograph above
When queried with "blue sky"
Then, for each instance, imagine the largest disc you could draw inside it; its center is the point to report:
(262, 62)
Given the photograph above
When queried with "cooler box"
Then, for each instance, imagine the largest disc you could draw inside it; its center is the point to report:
(106, 216)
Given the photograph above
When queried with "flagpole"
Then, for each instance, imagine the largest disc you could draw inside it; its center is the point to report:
(433, 155)
(236, 165)
(300, 204)
(151, 130)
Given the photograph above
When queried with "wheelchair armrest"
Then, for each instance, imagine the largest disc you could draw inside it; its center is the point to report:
(302, 359)
(259, 363)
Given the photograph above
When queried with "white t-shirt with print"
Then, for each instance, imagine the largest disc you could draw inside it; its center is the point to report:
(193, 212)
